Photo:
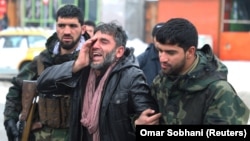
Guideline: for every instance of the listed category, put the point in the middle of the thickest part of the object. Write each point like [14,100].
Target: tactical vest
[53,109]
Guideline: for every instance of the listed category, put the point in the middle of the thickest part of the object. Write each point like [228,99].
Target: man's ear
[120,51]
[191,52]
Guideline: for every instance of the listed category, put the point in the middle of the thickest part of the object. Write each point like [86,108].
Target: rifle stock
[29,97]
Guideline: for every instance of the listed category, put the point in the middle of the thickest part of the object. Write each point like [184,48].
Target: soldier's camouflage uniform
[51,130]
[202,96]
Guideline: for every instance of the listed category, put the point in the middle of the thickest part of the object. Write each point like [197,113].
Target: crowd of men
[91,87]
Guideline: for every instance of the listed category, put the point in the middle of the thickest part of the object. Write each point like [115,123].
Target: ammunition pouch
[54,110]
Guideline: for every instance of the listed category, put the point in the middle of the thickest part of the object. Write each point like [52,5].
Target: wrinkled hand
[148,117]
[11,129]
[83,57]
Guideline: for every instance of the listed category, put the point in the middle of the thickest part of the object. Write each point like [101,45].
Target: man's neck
[64,51]
[192,65]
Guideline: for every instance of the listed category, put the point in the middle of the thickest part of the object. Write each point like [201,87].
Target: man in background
[149,60]
[90,27]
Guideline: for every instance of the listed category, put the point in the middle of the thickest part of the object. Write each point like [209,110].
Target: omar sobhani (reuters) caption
[194,132]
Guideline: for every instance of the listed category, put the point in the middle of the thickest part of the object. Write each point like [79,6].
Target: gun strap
[40,66]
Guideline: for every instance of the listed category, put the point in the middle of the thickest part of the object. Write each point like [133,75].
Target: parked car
[18,47]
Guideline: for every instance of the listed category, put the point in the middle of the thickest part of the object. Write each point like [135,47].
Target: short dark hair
[156,28]
[70,11]
[178,31]
[114,30]
[90,23]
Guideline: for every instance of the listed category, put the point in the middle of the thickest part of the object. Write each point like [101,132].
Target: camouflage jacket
[202,96]
[13,105]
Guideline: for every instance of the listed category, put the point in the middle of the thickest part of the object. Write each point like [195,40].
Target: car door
[12,50]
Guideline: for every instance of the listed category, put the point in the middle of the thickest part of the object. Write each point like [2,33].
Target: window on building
[236,15]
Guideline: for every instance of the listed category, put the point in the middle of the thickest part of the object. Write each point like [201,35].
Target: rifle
[29,98]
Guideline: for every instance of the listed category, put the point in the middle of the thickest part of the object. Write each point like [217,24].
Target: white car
[18,46]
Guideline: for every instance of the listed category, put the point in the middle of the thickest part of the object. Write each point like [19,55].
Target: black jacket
[149,63]
[125,95]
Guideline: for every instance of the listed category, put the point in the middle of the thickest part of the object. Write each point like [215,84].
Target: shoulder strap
[40,66]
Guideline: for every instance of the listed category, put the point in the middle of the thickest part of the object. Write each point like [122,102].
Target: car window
[12,41]
[36,41]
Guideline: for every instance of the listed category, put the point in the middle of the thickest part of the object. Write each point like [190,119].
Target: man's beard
[70,46]
[110,58]
[177,69]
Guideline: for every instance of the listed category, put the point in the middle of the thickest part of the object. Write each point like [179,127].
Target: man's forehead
[67,20]
[99,34]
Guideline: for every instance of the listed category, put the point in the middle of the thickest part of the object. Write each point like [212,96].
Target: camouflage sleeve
[156,87]
[226,106]
[13,103]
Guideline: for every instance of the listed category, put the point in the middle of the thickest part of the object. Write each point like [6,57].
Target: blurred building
[41,13]
[226,21]
[4,21]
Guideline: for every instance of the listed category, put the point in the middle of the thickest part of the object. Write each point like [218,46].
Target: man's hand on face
[83,57]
